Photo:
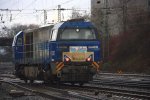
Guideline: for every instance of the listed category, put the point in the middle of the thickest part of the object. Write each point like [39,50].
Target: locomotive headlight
[93,47]
[66,58]
[90,58]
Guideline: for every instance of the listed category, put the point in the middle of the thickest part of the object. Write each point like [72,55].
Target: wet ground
[8,68]
[5,94]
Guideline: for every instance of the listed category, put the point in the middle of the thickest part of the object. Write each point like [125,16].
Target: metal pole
[124,7]
[59,13]
[45,16]
[107,32]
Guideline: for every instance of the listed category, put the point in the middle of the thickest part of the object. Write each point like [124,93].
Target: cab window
[77,34]
[53,35]
[19,41]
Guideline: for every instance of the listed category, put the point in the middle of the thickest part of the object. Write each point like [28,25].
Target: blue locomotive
[66,52]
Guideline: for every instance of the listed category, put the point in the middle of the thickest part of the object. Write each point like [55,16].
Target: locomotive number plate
[81,49]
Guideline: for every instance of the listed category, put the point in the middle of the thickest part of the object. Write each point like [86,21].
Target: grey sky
[28,9]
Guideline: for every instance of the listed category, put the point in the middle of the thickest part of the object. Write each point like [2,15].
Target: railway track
[133,84]
[87,92]
[95,90]
[7,76]
[123,80]
[130,75]
[123,92]
[50,92]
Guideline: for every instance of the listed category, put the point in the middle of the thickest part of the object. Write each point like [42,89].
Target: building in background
[114,17]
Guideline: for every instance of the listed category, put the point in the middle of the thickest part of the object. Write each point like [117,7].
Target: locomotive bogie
[31,72]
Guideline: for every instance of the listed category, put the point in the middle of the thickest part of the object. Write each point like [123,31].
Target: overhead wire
[34,1]
[67,2]
[24,8]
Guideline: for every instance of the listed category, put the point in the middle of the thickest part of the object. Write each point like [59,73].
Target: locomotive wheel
[48,75]
[31,81]
[72,83]
[48,82]
[81,84]
[25,80]
[58,82]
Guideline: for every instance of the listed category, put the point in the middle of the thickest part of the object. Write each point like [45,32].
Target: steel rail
[137,84]
[124,80]
[117,74]
[124,92]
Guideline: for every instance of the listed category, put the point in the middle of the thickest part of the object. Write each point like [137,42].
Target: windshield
[76,34]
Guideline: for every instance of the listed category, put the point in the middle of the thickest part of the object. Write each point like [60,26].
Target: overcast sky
[29,15]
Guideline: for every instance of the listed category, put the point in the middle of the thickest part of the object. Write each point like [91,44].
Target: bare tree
[130,50]
[80,14]
[6,51]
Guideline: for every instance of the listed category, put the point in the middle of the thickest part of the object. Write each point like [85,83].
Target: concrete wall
[119,17]
[114,15]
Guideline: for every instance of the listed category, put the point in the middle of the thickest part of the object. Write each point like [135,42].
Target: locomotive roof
[66,24]
[40,28]
[73,24]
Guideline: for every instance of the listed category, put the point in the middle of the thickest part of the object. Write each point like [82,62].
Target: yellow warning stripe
[93,65]
[96,64]
[60,68]
[57,66]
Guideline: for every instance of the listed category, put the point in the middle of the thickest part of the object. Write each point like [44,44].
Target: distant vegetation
[6,51]
[130,51]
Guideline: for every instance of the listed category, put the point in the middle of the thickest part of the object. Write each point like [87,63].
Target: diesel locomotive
[68,52]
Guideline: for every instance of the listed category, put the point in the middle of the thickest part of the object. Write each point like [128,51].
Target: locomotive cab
[75,51]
